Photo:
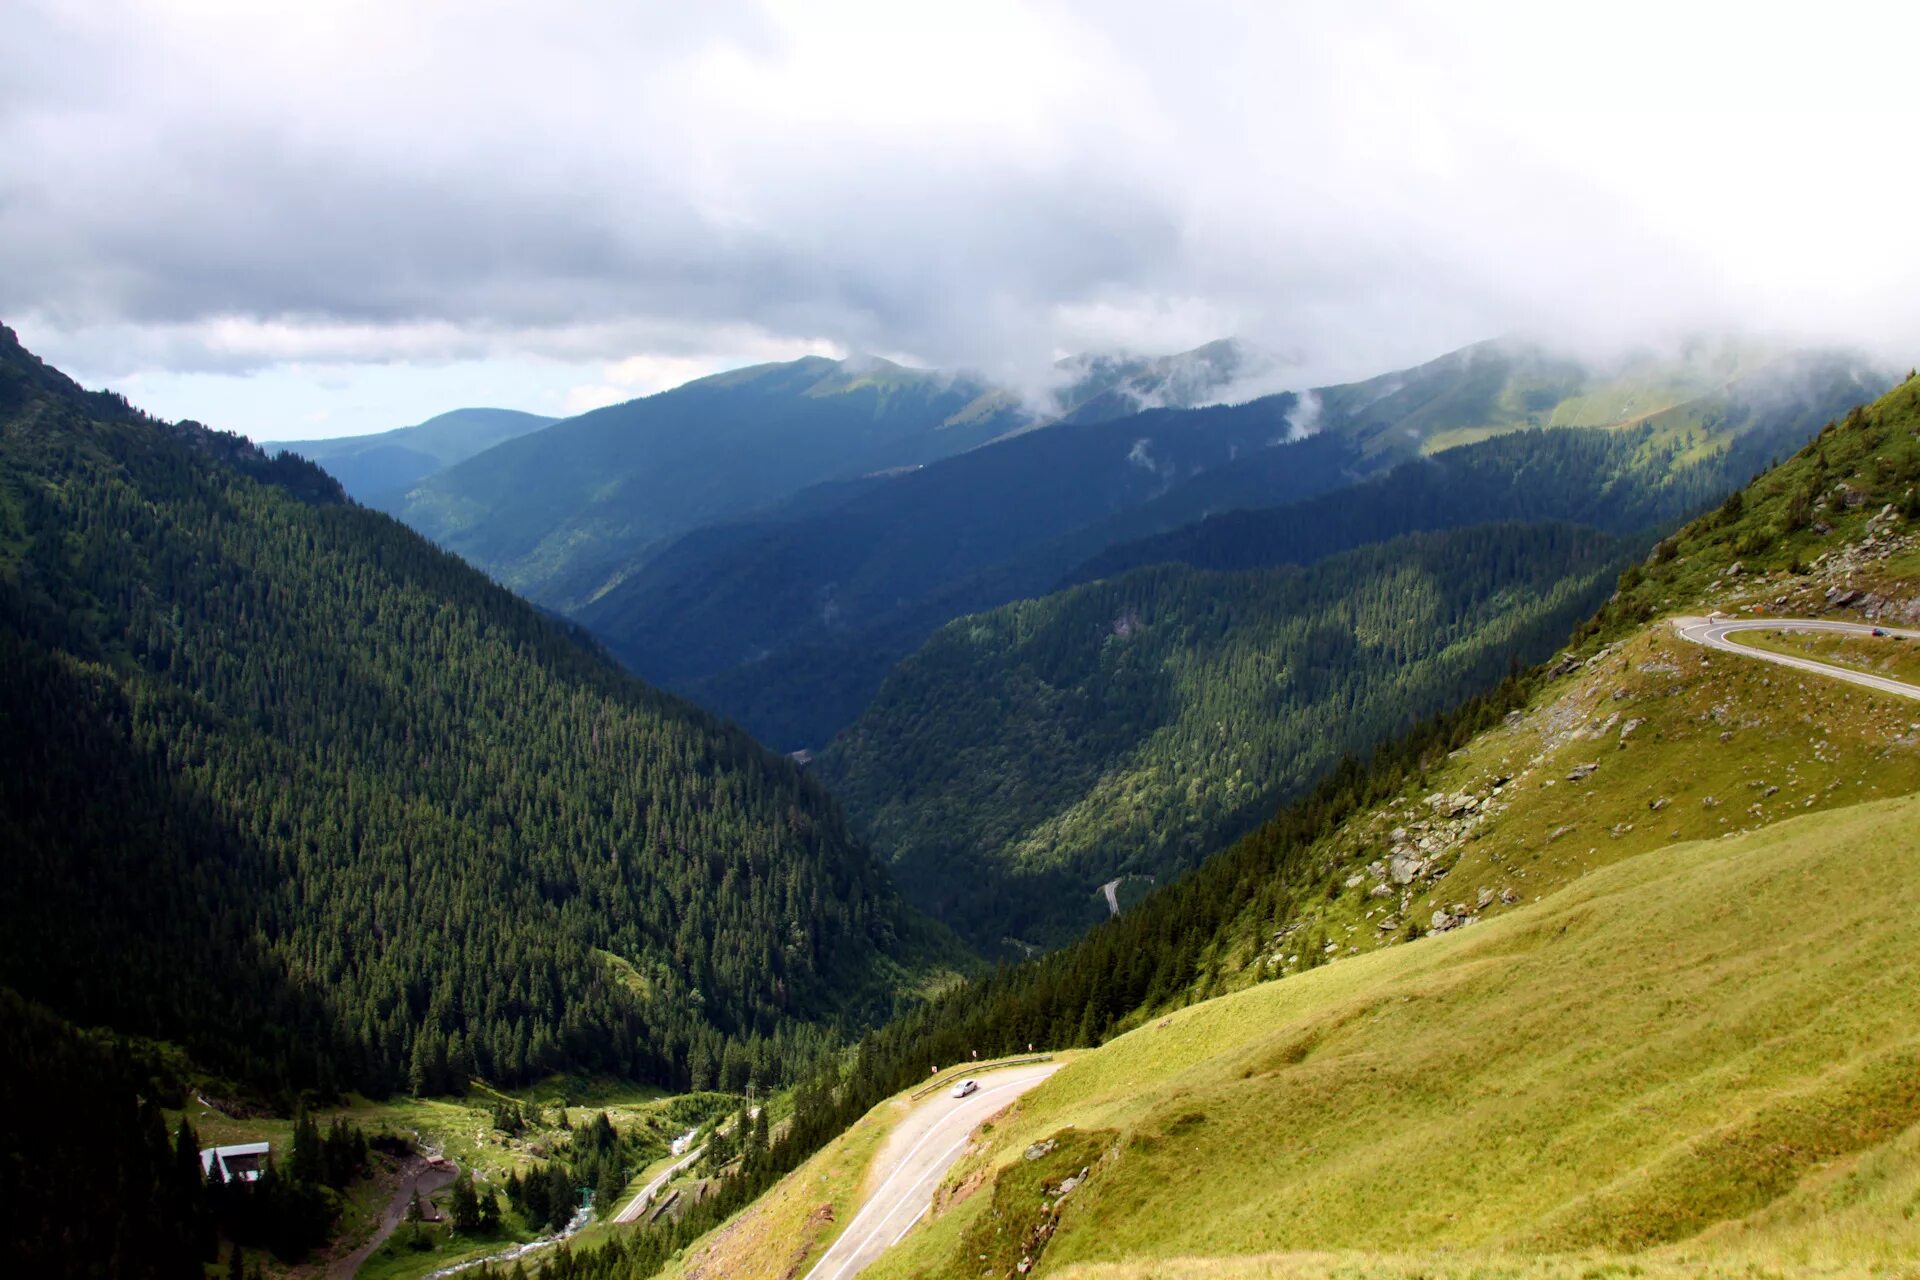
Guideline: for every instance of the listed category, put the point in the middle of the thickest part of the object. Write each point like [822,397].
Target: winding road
[921,1148]
[638,1205]
[1713,633]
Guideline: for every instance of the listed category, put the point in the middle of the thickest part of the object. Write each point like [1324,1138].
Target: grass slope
[1674,1043]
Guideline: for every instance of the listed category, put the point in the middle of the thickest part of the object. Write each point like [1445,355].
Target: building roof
[240,1161]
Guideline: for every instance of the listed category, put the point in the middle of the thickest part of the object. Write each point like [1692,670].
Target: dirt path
[419,1173]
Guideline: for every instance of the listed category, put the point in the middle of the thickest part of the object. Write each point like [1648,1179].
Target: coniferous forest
[1132,726]
[314,800]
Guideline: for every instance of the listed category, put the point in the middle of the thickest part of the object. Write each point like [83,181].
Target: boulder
[1580,772]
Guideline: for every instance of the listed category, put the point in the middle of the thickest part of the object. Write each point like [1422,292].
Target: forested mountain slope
[868,577]
[274,763]
[1662,467]
[1025,756]
[377,468]
[561,514]
[1666,1030]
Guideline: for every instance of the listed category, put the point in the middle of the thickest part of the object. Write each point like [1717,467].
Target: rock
[1382,890]
[1354,882]
[1041,1149]
[1398,835]
[1406,870]
[1484,900]
[1822,528]
[1442,922]
[1509,897]
[1565,666]
[1735,569]
[1626,730]
[1557,832]
[1580,772]
[1841,597]
[1661,803]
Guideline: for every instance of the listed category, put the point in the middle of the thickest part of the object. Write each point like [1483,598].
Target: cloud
[209,186]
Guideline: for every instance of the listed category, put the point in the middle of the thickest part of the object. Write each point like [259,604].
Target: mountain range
[377,468]
[1328,756]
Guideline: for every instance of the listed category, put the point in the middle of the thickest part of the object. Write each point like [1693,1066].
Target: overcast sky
[334,217]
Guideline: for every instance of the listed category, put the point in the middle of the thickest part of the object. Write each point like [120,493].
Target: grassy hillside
[1025,756]
[562,514]
[377,468]
[271,761]
[1713,1037]
[1507,385]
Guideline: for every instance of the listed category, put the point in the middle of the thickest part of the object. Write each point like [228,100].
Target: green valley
[1024,757]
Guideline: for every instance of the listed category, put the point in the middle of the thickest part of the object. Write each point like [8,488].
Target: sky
[312,220]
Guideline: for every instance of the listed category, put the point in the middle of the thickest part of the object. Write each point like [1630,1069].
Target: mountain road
[922,1147]
[1715,633]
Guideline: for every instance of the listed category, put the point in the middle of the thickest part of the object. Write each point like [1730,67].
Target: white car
[966,1087]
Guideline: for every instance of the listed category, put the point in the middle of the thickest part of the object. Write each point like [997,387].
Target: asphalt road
[1714,632]
[919,1151]
[638,1205]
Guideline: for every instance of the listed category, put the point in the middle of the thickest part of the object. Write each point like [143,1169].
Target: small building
[241,1163]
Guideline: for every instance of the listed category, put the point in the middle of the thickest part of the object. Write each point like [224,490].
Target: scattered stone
[1580,772]
[1041,1149]
[1735,569]
[1557,832]
[1509,897]
[1708,802]
[1626,730]
[1354,882]
[1841,597]
[1661,803]
[1406,870]
[1382,890]
[1442,922]
[1484,900]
